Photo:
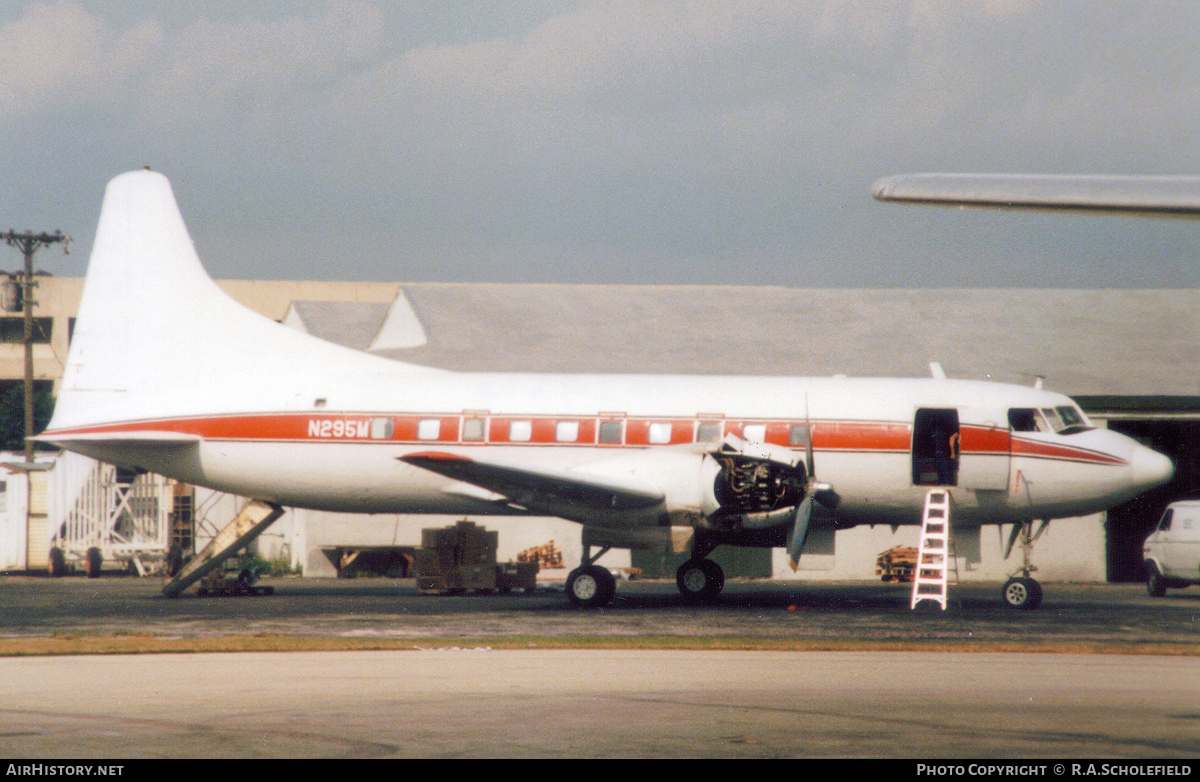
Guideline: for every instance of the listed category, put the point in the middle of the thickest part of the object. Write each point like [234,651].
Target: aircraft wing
[564,494]
[1169,196]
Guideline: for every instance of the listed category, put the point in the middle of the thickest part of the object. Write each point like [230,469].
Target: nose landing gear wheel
[700,580]
[1024,593]
[591,587]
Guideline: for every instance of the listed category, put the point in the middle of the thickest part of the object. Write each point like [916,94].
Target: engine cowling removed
[747,485]
[729,486]
[754,486]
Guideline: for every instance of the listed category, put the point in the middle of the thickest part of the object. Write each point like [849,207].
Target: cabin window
[520,431]
[754,433]
[566,431]
[381,428]
[473,429]
[798,435]
[610,431]
[708,431]
[429,428]
[660,432]
[1165,524]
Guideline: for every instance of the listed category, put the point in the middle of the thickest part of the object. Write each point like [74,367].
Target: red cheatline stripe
[827,435]
[847,436]
[1052,451]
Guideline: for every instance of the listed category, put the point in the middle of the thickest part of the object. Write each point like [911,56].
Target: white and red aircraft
[168,374]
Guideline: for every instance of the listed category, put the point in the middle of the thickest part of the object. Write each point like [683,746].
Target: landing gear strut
[589,585]
[700,579]
[1022,591]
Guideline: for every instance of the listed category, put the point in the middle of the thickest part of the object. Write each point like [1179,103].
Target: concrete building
[1132,359]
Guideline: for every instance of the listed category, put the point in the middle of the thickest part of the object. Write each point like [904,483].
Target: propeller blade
[799,531]
[808,450]
[800,523]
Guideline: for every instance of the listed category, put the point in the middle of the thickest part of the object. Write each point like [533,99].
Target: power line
[29,243]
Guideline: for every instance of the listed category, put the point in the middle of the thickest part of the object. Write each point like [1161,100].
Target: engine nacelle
[730,485]
[751,485]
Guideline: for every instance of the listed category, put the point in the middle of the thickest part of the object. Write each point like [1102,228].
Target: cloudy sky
[707,142]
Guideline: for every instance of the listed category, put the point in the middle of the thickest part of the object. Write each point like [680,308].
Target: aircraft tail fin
[156,336]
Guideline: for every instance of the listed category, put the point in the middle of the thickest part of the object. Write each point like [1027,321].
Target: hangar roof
[1084,342]
[350,323]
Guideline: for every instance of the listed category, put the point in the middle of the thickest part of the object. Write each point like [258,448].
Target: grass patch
[77,644]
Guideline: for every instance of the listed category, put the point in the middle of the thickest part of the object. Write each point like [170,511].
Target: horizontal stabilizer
[150,438]
[1168,196]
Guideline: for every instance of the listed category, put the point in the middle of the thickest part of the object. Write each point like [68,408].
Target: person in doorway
[945,454]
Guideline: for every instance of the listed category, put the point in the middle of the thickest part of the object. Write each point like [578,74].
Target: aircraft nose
[1149,468]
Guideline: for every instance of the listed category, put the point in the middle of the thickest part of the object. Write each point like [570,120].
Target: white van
[1172,551]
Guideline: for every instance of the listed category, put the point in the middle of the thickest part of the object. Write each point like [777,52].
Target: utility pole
[29,243]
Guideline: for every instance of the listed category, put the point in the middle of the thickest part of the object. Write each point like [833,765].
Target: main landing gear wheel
[591,586]
[1024,593]
[700,580]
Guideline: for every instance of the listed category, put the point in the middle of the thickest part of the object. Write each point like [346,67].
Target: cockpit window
[1023,419]
[1165,524]
[1067,419]
[1072,417]
[1029,419]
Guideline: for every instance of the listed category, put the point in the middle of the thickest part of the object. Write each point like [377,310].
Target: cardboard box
[462,557]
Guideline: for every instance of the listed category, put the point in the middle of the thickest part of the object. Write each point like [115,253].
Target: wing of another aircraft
[562,494]
[1168,196]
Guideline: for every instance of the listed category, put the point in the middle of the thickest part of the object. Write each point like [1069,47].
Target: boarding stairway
[934,556]
[98,513]
[251,522]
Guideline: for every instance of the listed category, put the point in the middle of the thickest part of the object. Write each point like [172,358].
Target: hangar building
[1130,357]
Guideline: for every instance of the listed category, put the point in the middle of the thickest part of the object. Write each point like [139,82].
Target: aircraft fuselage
[863,433]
